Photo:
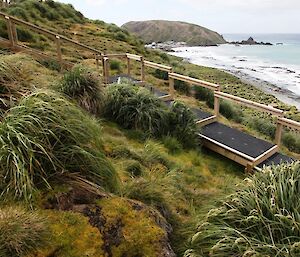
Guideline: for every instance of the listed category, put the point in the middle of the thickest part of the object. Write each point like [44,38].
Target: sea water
[278,64]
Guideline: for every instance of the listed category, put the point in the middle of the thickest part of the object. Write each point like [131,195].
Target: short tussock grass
[83,85]
[47,138]
[262,219]
[21,231]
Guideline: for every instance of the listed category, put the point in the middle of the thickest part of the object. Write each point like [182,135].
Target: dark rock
[250,41]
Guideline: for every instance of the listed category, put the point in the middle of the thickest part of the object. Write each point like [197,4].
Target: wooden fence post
[15,33]
[10,31]
[128,66]
[171,85]
[142,70]
[278,134]
[217,104]
[59,54]
[105,69]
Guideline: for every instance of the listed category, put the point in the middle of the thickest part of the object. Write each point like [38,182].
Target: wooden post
[249,167]
[142,70]
[10,31]
[103,69]
[171,86]
[59,54]
[216,106]
[107,70]
[278,134]
[128,66]
[15,33]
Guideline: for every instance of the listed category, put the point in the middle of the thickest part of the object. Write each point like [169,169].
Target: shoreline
[284,95]
[258,67]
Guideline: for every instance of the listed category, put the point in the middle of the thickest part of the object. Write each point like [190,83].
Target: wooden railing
[14,44]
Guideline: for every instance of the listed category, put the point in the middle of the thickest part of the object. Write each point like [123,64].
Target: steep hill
[162,31]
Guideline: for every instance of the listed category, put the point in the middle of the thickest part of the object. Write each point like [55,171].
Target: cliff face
[162,31]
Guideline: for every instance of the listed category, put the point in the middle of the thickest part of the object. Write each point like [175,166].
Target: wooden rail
[289,123]
[281,121]
[134,57]
[248,103]
[13,43]
[158,66]
[193,81]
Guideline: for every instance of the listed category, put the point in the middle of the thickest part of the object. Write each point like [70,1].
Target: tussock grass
[155,187]
[82,85]
[46,138]
[262,219]
[135,108]
[21,231]
[182,124]
[172,144]
[11,89]
[19,75]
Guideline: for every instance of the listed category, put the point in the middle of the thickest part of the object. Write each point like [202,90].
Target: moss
[71,236]
[140,235]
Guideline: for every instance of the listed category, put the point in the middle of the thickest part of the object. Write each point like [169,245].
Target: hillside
[87,170]
[162,31]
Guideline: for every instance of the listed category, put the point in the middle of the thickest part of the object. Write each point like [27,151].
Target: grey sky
[224,16]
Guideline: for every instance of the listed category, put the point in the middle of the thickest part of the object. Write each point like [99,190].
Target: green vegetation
[172,144]
[83,85]
[63,240]
[135,108]
[182,124]
[42,140]
[260,220]
[115,65]
[50,10]
[162,31]
[134,182]
[21,231]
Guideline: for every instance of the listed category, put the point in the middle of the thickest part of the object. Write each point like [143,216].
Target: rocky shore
[284,95]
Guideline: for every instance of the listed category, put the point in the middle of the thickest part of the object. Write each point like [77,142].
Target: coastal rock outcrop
[250,41]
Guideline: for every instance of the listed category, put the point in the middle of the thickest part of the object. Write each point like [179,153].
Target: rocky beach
[273,68]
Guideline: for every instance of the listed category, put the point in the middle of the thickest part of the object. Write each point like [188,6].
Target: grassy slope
[203,177]
[162,31]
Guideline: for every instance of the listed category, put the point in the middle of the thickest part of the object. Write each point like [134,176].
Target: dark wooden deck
[235,139]
[276,159]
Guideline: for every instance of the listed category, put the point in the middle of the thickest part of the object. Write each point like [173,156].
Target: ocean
[278,65]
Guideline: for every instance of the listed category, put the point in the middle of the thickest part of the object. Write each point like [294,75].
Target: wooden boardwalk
[224,140]
[232,143]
